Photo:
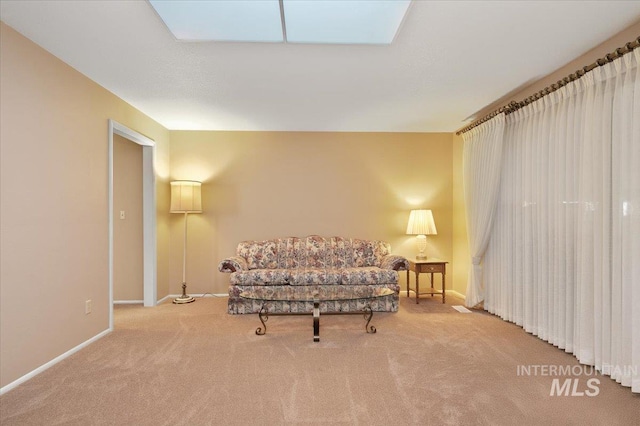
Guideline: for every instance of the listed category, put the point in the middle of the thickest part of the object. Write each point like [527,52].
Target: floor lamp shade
[421,223]
[186,197]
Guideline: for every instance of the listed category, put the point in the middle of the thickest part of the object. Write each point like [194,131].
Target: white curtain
[482,156]
[563,259]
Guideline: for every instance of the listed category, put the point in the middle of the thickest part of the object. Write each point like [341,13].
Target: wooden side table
[429,266]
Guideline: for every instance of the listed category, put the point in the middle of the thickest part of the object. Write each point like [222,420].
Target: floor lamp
[185,198]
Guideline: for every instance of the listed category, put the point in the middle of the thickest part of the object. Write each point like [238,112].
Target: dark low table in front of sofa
[313,295]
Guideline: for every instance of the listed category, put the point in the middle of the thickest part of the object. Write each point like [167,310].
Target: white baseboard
[196,295]
[53,362]
[212,295]
[455,293]
[169,296]
[163,299]
[449,292]
[128,302]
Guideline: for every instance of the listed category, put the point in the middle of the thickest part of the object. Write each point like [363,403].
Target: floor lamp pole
[185,298]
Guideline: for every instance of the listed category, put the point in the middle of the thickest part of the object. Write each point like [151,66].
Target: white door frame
[150,289]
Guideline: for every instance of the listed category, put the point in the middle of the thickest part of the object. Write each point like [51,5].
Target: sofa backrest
[313,251]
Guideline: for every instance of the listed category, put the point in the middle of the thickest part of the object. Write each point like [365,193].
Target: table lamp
[421,224]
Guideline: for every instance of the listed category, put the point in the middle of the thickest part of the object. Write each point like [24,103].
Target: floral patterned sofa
[291,263]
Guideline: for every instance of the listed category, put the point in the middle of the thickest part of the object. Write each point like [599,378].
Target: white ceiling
[449,60]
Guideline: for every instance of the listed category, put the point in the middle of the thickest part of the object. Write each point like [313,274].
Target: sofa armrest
[395,262]
[233,264]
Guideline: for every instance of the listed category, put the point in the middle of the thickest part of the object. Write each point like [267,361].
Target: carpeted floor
[427,365]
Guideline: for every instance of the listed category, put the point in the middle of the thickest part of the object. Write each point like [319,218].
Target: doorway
[127,222]
[148,214]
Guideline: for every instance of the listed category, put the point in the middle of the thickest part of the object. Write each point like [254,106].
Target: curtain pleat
[482,156]
[563,254]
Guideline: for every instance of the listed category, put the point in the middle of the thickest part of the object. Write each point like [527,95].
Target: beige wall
[53,204]
[599,51]
[260,185]
[127,232]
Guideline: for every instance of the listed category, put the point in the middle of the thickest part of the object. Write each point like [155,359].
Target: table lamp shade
[421,223]
[186,196]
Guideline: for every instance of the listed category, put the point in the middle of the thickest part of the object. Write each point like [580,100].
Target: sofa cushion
[368,253]
[259,254]
[342,252]
[261,277]
[368,275]
[315,276]
[309,276]
[287,258]
[312,251]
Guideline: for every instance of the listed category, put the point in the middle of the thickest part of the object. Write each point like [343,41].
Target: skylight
[277,21]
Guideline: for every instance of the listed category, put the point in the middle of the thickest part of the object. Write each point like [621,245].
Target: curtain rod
[513,106]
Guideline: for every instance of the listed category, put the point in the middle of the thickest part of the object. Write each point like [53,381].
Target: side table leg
[432,284]
[443,288]
[417,287]
[408,270]
[316,321]
[264,317]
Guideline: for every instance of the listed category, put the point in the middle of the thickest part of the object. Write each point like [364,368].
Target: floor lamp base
[185,298]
